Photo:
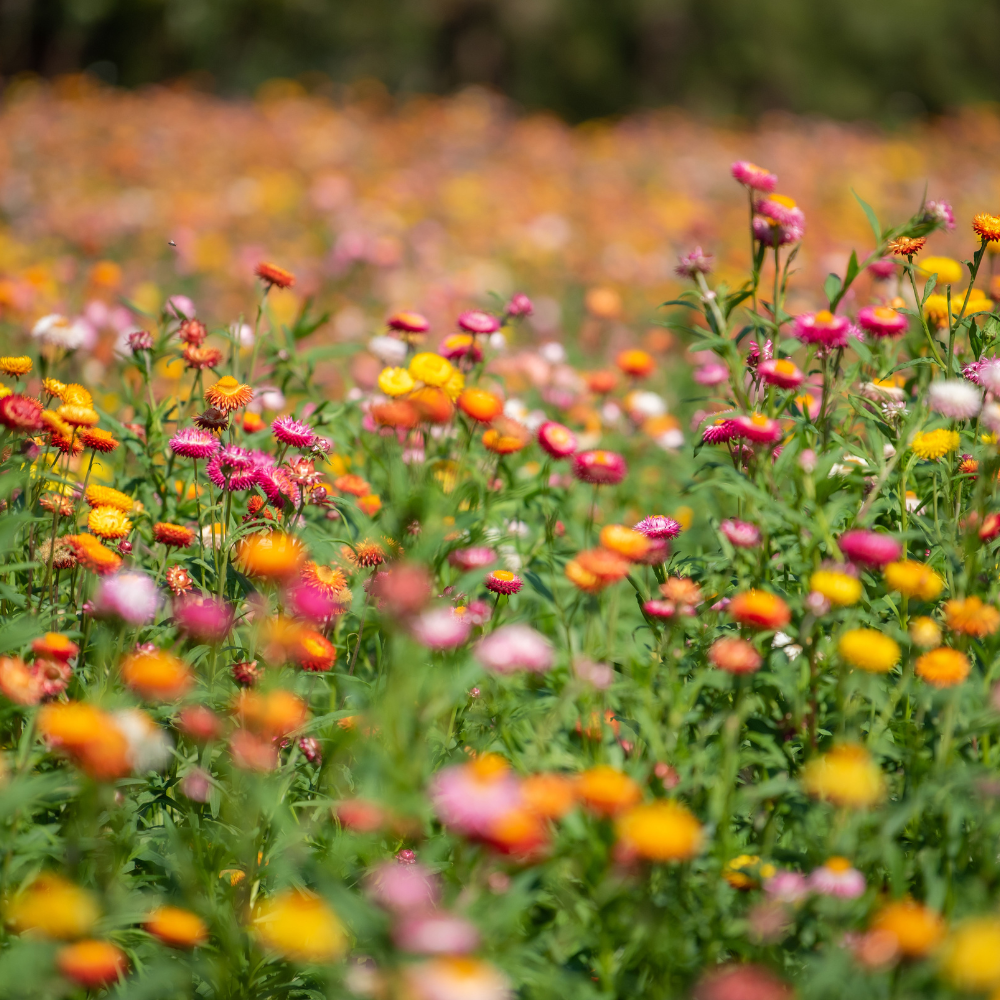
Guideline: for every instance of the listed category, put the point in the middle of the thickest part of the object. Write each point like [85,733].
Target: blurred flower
[970,955]
[760,609]
[839,587]
[52,906]
[754,177]
[918,930]
[943,667]
[299,926]
[403,888]
[742,982]
[869,547]
[608,791]
[129,595]
[441,628]
[176,927]
[846,776]
[913,579]
[823,328]
[837,878]
[742,534]
[92,964]
[157,675]
[435,934]
[935,444]
[695,262]
[970,616]
[456,978]
[735,656]
[869,650]
[954,398]
[515,647]
[469,797]
[925,632]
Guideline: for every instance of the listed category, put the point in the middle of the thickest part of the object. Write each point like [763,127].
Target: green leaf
[536,584]
[832,287]
[871,216]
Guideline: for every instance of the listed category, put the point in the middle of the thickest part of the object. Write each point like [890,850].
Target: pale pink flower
[597,675]
[436,934]
[787,886]
[711,374]
[955,398]
[440,628]
[940,212]
[456,979]
[837,878]
[515,647]
[476,557]
[695,262]
[128,595]
[470,798]
[403,888]
[742,534]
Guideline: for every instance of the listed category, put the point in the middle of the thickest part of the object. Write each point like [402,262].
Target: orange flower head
[92,555]
[18,683]
[97,439]
[549,794]
[681,590]
[370,505]
[156,675]
[760,609]
[625,542]
[480,405]
[89,736]
[272,556]
[971,616]
[328,580]
[582,578]
[431,404]
[398,413]
[108,522]
[274,714]
[637,363]
[105,496]
[271,274]
[196,356]
[506,436]
[368,554]
[175,535]
[918,930]
[353,485]
[227,394]
[176,927]
[987,226]
[15,366]
[906,246]
[519,832]
[608,791]
[53,907]
[78,416]
[313,651]
[734,655]
[252,422]
[92,964]
[943,667]
[56,646]
[601,382]
[661,831]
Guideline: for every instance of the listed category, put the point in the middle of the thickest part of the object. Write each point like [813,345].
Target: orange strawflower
[625,542]
[53,907]
[398,413]
[227,394]
[906,246]
[201,357]
[313,651]
[913,579]
[92,555]
[368,554]
[88,735]
[595,569]
[971,616]
[917,929]
[636,363]
[97,439]
[370,504]
[432,404]
[173,534]
[608,791]
[549,794]
[760,609]
[56,646]
[56,502]
[275,714]
[661,831]
[480,405]
[76,395]
[176,927]
[92,964]
[329,580]
[943,667]
[271,556]
[506,436]
[353,485]
[157,675]
[78,416]
[271,274]
[987,226]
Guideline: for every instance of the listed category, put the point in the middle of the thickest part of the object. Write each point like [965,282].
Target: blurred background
[888,61]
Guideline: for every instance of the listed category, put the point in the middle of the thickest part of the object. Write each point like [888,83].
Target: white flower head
[388,350]
[955,398]
[57,331]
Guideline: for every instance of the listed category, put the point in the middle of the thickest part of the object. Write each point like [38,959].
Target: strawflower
[846,776]
[742,534]
[970,616]
[735,656]
[601,468]
[954,398]
[661,831]
[913,579]
[869,650]
[840,588]
[918,930]
[299,926]
[943,667]
[760,609]
[837,878]
[515,647]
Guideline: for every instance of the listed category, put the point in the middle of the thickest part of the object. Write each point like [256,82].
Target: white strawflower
[954,398]
[991,417]
[642,403]
[553,352]
[388,350]
[57,331]
[988,375]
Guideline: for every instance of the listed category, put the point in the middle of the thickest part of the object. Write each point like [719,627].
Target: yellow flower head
[76,395]
[948,271]
[53,906]
[936,309]
[431,369]
[943,667]
[54,387]
[868,649]
[299,926]
[987,226]
[395,381]
[78,416]
[176,927]
[108,522]
[913,579]
[105,496]
[838,588]
[925,632]
[454,386]
[661,831]
[15,366]
[935,444]
[971,954]
[846,776]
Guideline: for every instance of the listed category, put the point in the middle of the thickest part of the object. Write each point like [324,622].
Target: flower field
[449,556]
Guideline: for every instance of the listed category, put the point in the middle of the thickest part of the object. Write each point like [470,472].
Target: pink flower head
[436,934]
[403,888]
[310,749]
[787,886]
[657,553]
[204,619]
[780,211]
[869,547]
[557,440]
[658,608]
[955,398]
[475,321]
[882,269]
[311,602]
[597,675]
[720,431]
[742,982]
[742,534]
[602,468]
[408,322]
[882,321]
[515,647]
[275,485]
[695,262]
[837,878]
[296,433]
[940,212]
[440,628]
[475,612]
[190,442]
[985,373]
[754,177]
[757,428]
[232,469]
[781,372]
[502,581]
[658,526]
[470,798]
[822,328]
[714,373]
[51,676]
[519,305]
[475,557]
[128,595]
[757,354]
[460,345]
[140,340]
[767,232]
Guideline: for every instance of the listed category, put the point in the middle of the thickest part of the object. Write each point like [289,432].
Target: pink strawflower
[408,322]
[470,798]
[882,269]
[190,442]
[658,526]
[742,534]
[787,886]
[310,749]
[275,485]
[51,676]
[502,581]
[519,305]
[204,619]
[657,553]
[140,340]
[940,212]
[232,469]
[310,602]
[769,234]
[557,440]
[128,595]
[597,675]
[987,374]
[869,547]
[515,647]
[822,328]
[436,934]
[882,321]
[476,612]
[714,373]
[719,432]
[781,372]
[296,433]
[440,628]
[658,608]
[602,468]
[837,878]
[695,262]
[955,398]
[754,177]
[459,346]
[757,428]
[757,354]
[475,557]
[403,888]
[476,321]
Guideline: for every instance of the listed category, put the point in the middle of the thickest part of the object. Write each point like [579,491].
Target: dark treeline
[581,58]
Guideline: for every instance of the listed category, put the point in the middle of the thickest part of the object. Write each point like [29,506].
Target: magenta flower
[502,581]
[869,547]
[557,440]
[232,469]
[787,886]
[658,527]
[882,321]
[719,432]
[436,934]
[882,269]
[204,619]
[822,328]
[470,798]
[476,321]
[519,305]
[475,557]
[296,433]
[837,878]
[658,608]
[515,647]
[766,232]
[781,372]
[754,177]
[695,262]
[602,468]
[757,428]
[190,442]
[742,534]
[440,628]
[403,888]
